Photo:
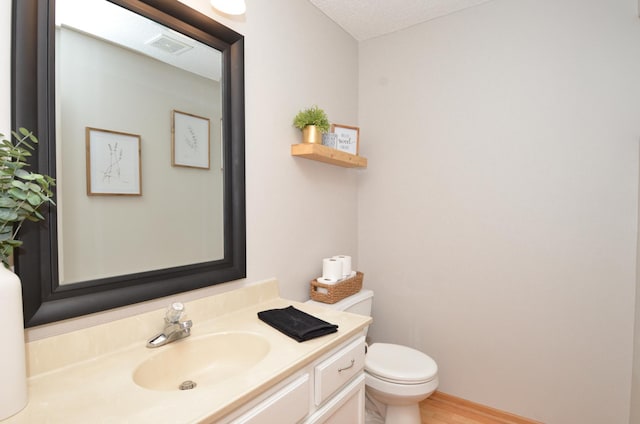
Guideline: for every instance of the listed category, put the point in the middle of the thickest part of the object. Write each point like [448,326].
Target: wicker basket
[332,293]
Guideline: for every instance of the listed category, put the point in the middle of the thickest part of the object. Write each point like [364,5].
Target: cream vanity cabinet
[328,390]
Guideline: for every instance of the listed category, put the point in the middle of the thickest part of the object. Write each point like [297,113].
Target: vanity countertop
[86,376]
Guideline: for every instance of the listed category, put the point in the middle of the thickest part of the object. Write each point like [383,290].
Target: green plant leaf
[17,193]
[34,187]
[26,207]
[7,202]
[10,166]
[26,175]
[8,215]
[20,185]
[34,198]
[24,143]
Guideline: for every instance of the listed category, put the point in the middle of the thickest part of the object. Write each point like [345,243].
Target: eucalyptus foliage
[22,192]
[312,116]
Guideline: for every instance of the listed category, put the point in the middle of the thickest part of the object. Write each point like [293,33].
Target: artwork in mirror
[191,140]
[113,168]
[128,65]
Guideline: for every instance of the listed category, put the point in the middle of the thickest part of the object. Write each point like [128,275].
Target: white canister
[13,384]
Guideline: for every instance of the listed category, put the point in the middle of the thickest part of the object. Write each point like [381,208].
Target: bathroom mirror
[140,117]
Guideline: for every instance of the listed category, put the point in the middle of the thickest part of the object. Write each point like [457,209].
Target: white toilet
[397,377]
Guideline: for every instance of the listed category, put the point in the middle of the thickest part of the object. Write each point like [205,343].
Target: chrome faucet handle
[174,312]
[174,329]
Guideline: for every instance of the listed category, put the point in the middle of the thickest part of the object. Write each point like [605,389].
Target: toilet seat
[399,364]
[396,393]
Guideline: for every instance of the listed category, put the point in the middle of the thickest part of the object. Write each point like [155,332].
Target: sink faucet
[174,329]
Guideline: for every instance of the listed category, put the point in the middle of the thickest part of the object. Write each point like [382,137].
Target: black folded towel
[297,324]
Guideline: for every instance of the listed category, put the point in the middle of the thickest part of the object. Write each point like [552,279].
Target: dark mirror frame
[32,100]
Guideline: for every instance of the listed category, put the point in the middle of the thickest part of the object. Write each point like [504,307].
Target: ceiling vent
[168,44]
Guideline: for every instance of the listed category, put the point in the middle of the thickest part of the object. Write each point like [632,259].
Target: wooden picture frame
[348,138]
[190,140]
[114,164]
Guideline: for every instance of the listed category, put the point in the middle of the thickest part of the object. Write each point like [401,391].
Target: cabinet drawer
[336,371]
[288,405]
[347,406]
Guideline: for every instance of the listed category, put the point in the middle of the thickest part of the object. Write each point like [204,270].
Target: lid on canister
[399,364]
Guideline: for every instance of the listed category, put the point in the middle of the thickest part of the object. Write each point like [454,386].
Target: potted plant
[313,122]
[22,193]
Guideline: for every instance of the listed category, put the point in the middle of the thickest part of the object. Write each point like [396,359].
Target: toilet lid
[396,363]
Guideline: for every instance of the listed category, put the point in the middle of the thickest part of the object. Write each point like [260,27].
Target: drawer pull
[353,361]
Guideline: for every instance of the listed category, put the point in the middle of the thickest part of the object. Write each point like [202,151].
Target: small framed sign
[348,138]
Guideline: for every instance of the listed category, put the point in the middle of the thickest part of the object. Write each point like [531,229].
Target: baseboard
[444,400]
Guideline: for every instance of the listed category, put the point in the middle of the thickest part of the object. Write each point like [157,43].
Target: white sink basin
[204,360]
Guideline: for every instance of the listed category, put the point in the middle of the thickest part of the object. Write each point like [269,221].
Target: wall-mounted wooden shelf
[328,155]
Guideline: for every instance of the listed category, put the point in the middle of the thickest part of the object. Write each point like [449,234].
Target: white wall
[635,375]
[298,211]
[500,203]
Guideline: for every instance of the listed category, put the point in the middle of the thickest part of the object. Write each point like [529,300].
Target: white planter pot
[13,370]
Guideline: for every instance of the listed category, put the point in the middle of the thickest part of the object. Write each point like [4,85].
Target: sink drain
[187,385]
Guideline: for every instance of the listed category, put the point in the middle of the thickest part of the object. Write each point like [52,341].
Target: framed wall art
[113,163]
[348,138]
[190,140]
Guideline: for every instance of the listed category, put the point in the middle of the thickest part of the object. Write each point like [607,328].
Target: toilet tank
[359,303]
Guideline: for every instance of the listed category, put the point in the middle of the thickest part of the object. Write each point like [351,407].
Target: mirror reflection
[121,77]
[148,154]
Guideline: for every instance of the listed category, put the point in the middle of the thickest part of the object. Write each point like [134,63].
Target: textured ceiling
[365,19]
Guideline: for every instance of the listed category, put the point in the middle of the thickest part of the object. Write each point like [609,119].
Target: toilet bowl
[397,378]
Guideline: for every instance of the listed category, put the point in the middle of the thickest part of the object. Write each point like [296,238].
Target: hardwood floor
[441,408]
